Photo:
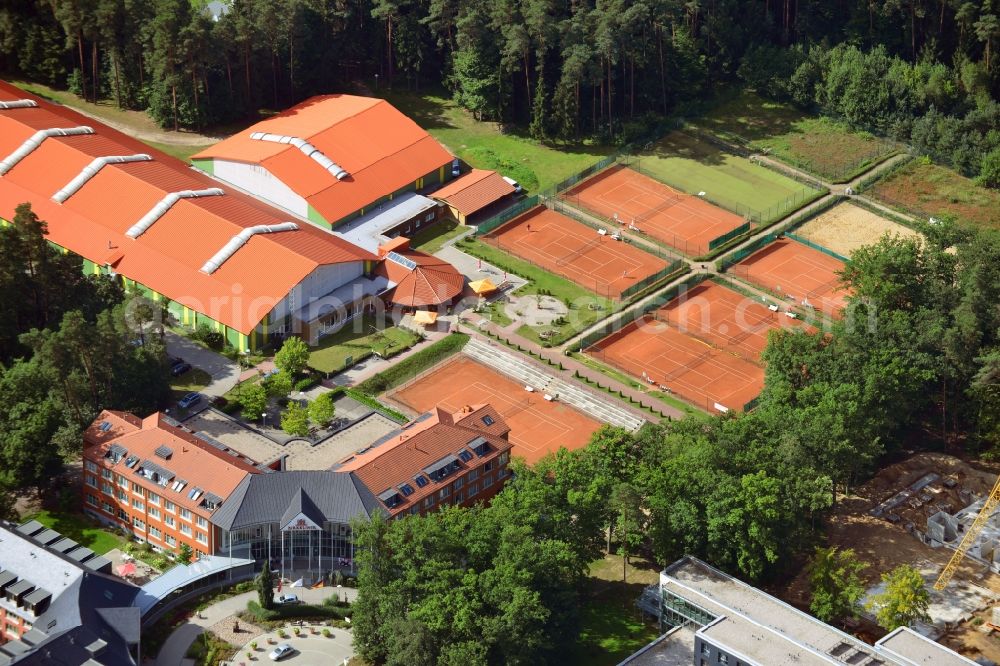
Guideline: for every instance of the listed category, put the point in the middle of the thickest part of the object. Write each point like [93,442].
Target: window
[723,658]
[91,480]
[202,538]
[91,500]
[445,492]
[123,482]
[107,488]
[459,482]
[429,501]
[201,522]
[421,480]
[90,466]
[430,216]
[504,457]
[107,474]
[169,521]
[488,466]
[459,498]
[464,455]
[502,472]
[472,475]
[153,512]
[414,510]
[137,504]
[170,540]
[138,523]
[137,489]
[487,482]
[488,420]
[122,497]
[473,489]
[406,489]
[185,529]
[107,508]
[169,506]
[706,651]
[153,532]
[185,514]
[153,498]
[122,515]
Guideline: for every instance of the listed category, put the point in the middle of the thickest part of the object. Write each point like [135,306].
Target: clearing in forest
[822,146]
[928,190]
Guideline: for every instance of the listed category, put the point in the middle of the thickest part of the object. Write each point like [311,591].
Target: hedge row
[414,365]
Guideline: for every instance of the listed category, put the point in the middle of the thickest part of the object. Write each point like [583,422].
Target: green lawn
[690,164]
[181,152]
[611,626]
[79,528]
[358,341]
[534,165]
[925,190]
[825,147]
[585,307]
[432,239]
[194,379]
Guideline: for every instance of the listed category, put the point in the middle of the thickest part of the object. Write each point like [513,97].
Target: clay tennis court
[725,319]
[694,370]
[575,251]
[537,427]
[798,272]
[683,221]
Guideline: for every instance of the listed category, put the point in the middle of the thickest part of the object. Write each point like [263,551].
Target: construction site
[916,512]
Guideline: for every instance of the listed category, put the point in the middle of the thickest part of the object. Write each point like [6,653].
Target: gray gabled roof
[301,504]
[265,498]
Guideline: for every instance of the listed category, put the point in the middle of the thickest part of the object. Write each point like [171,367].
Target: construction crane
[970,537]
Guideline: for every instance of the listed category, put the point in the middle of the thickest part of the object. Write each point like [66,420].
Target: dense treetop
[920,70]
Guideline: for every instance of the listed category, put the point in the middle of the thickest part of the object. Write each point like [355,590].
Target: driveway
[224,372]
[175,648]
[310,649]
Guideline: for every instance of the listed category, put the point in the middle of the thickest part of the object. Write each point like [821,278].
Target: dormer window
[479,446]
[391,498]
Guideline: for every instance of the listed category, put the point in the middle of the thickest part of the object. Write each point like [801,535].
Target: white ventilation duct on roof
[165,204]
[91,170]
[19,104]
[307,149]
[239,240]
[35,140]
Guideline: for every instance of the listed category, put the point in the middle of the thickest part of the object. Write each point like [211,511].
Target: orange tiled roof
[168,257]
[191,459]
[431,282]
[380,148]
[474,191]
[421,444]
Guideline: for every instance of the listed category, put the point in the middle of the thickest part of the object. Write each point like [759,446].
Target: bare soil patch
[847,227]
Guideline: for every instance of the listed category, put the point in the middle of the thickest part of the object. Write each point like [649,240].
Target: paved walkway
[311,647]
[570,366]
[224,372]
[173,650]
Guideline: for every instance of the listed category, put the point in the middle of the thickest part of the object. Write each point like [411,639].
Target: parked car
[456,168]
[192,398]
[180,369]
[280,652]
[289,600]
[513,183]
